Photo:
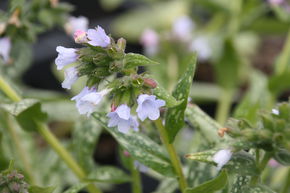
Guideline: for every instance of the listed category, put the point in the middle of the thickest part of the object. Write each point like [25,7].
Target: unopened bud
[150,82]
[126,153]
[121,44]
[222,131]
[14,19]
[80,37]
[53,3]
[2,27]
[113,108]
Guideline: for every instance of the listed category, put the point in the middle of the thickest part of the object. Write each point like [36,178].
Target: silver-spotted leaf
[175,116]
[134,60]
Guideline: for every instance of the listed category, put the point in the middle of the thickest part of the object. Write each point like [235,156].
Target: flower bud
[150,83]
[121,44]
[80,37]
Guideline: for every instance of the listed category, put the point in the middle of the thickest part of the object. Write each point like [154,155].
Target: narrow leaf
[175,116]
[133,60]
[37,189]
[76,188]
[211,186]
[161,93]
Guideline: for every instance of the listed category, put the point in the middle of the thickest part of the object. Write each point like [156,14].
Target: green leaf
[227,68]
[26,112]
[76,188]
[211,186]
[282,156]
[168,185]
[132,60]
[204,156]
[257,189]
[37,189]
[203,122]
[256,99]
[161,93]
[108,174]
[279,83]
[141,148]
[85,137]
[174,120]
[239,183]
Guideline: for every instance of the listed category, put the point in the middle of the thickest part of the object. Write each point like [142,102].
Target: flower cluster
[100,58]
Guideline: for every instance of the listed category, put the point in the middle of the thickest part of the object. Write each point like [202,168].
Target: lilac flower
[88,99]
[275,112]
[76,23]
[140,167]
[65,56]
[70,75]
[276,2]
[150,40]
[5,47]
[98,37]
[148,106]
[182,28]
[202,47]
[222,157]
[122,118]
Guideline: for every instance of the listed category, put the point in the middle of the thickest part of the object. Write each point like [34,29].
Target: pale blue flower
[148,106]
[150,40]
[140,167]
[122,118]
[70,76]
[5,47]
[202,46]
[275,111]
[88,99]
[222,157]
[182,28]
[98,37]
[65,56]
[76,23]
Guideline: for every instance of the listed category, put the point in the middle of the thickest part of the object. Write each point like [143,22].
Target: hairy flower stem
[22,153]
[261,167]
[286,187]
[173,155]
[136,178]
[224,105]
[51,139]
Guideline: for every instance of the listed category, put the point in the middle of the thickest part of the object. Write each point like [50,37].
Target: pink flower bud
[150,82]
[80,37]
[126,153]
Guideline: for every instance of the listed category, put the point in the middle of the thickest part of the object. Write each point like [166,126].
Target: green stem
[287,183]
[173,155]
[284,58]
[20,150]
[224,105]
[51,140]
[136,179]
[261,167]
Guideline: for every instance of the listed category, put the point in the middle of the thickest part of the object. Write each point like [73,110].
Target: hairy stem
[224,105]
[173,155]
[136,179]
[51,139]
[287,183]
[284,57]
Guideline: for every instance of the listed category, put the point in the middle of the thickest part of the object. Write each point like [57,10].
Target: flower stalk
[173,155]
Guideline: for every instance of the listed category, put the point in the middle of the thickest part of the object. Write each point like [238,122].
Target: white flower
[148,106]
[76,23]
[65,56]
[140,167]
[275,112]
[88,99]
[98,37]
[182,28]
[122,118]
[5,47]
[222,157]
[70,76]
[150,40]
[202,47]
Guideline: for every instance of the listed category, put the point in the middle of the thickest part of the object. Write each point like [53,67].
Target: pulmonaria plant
[101,58]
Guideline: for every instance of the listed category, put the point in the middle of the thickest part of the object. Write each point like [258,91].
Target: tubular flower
[122,118]
[71,75]
[148,106]
[88,99]
[98,37]
[65,56]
